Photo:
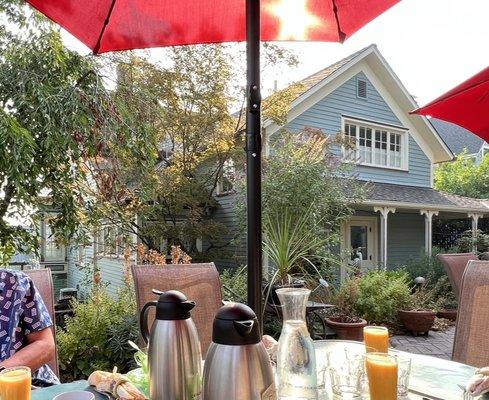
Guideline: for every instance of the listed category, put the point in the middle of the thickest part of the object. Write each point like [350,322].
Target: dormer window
[361,88]
[376,145]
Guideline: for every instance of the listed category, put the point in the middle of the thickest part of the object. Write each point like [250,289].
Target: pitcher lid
[172,305]
[236,324]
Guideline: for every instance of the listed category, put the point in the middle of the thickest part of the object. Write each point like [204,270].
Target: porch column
[475,226]
[384,213]
[428,230]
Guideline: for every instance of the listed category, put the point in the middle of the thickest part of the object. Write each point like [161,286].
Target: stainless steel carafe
[174,355]
[237,366]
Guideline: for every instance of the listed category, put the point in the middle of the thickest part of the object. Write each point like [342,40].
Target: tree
[142,151]
[307,193]
[464,177]
[185,108]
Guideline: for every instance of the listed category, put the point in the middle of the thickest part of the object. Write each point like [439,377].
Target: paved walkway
[436,344]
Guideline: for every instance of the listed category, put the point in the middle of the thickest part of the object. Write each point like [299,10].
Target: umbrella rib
[106,22]
[341,34]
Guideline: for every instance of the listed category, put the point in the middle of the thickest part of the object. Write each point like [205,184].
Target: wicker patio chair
[43,281]
[471,344]
[199,282]
[455,265]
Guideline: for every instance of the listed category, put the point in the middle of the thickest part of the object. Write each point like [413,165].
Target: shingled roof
[424,196]
[319,76]
[456,137]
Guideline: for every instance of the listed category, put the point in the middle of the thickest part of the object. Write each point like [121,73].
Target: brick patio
[436,344]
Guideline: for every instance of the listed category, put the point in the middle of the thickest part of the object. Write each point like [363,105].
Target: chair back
[43,281]
[199,282]
[471,345]
[455,265]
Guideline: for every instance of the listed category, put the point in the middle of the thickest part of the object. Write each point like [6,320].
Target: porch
[395,223]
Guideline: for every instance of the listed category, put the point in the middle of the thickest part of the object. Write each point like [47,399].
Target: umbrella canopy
[466,105]
[110,25]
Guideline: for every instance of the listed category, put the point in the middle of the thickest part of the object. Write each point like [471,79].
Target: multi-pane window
[374,145]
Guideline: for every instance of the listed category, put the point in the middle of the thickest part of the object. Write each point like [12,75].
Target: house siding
[405,238]
[226,214]
[327,113]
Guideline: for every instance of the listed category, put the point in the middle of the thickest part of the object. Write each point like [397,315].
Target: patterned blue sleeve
[36,315]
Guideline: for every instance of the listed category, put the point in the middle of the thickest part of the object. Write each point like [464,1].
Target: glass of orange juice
[15,383]
[376,337]
[382,376]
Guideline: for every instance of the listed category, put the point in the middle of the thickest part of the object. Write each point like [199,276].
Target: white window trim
[390,129]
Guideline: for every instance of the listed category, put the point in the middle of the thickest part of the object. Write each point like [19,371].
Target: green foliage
[425,266]
[464,177]
[290,243]
[467,242]
[381,294]
[423,299]
[234,284]
[96,337]
[306,186]
[437,282]
[345,300]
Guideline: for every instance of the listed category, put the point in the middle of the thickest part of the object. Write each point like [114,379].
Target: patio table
[438,378]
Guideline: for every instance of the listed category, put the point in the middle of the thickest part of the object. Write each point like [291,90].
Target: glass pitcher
[296,358]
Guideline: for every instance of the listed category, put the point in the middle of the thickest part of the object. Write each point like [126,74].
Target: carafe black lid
[172,305]
[236,324]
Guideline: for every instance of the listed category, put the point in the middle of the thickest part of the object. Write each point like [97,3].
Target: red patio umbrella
[466,105]
[108,25]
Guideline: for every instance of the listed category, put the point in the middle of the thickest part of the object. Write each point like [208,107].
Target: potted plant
[447,302]
[344,320]
[419,315]
[290,246]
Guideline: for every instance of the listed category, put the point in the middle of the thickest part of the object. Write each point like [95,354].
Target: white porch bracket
[384,213]
[428,229]
[475,226]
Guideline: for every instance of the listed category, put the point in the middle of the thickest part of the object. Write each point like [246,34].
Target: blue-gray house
[359,96]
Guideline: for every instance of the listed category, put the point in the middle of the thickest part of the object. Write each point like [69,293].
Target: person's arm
[38,351]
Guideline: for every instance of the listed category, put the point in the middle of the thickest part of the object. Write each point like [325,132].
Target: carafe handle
[143,320]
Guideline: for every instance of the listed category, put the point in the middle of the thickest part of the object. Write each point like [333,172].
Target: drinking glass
[376,337]
[347,377]
[403,372]
[382,376]
[15,383]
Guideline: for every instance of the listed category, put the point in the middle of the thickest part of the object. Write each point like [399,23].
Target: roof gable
[370,61]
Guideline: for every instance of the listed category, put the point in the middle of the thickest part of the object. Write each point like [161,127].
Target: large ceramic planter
[447,314]
[417,322]
[347,330]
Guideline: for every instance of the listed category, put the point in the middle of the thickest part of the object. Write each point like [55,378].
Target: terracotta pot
[347,330]
[417,322]
[447,314]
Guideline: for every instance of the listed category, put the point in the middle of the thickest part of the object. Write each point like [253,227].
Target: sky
[432,45]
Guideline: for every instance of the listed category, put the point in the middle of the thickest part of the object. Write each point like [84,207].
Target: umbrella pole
[253,158]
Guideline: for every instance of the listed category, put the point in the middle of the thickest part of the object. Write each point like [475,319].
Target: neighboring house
[361,97]
[461,140]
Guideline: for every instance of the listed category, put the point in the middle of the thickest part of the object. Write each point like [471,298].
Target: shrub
[381,294]
[234,284]
[96,336]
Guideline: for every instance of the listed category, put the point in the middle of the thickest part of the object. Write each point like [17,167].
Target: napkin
[479,383]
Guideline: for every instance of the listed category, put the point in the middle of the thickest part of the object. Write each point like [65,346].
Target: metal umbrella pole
[253,158]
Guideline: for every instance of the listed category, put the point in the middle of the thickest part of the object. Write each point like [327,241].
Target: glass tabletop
[435,377]
[432,376]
